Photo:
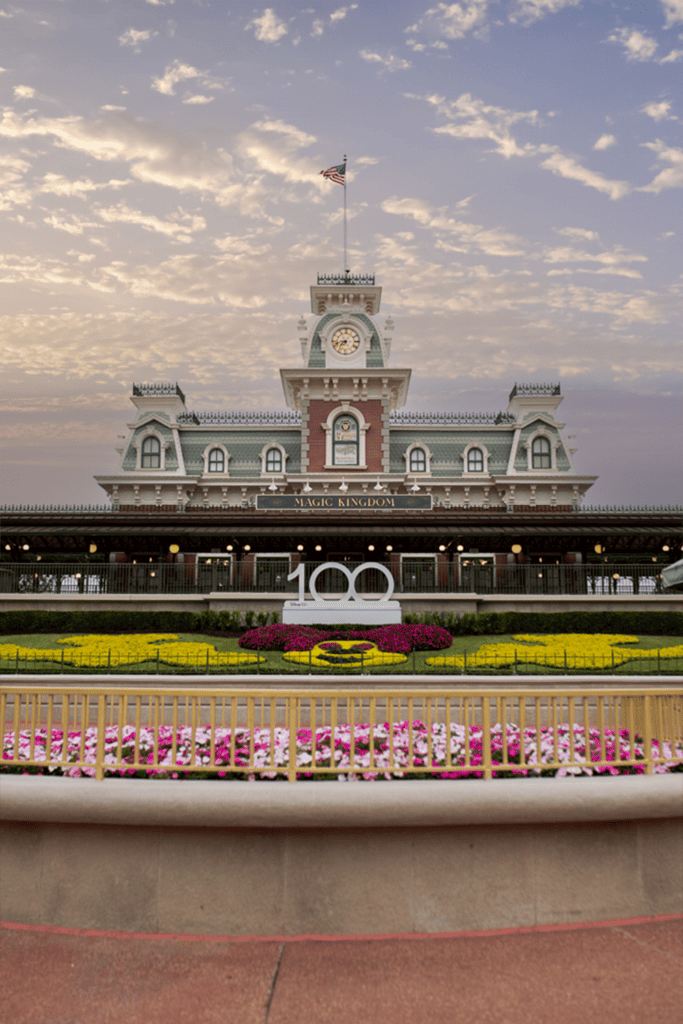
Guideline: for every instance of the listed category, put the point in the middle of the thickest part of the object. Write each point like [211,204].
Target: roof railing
[534,390]
[154,390]
[346,278]
[242,418]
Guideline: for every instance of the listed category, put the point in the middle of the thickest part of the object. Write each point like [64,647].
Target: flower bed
[99,650]
[398,639]
[344,654]
[571,650]
[538,750]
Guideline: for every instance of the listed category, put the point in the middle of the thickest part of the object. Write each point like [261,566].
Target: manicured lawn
[275,663]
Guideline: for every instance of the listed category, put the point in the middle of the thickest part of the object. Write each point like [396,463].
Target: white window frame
[264,452]
[428,459]
[475,474]
[363,427]
[163,447]
[554,445]
[226,460]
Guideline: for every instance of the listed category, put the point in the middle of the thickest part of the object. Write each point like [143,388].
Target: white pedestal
[366,613]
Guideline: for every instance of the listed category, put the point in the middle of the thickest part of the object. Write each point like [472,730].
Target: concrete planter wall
[337,858]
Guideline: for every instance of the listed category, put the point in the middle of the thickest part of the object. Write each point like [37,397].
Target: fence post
[108,661]
[659,661]
[565,661]
[157,661]
[101,725]
[61,671]
[207,661]
[647,730]
[16,667]
[486,735]
[613,670]
[291,768]
[515,665]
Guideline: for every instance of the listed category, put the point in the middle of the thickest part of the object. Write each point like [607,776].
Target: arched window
[418,460]
[345,441]
[151,453]
[540,453]
[216,461]
[273,460]
[475,460]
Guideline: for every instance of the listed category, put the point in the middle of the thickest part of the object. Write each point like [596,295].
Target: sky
[514,181]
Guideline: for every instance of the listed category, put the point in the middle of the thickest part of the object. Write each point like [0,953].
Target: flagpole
[345,268]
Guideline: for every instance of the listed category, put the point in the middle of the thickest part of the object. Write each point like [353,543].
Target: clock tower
[345,391]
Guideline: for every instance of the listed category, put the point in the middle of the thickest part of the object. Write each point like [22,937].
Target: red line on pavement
[619,922]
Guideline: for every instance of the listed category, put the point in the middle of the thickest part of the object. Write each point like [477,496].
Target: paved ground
[628,972]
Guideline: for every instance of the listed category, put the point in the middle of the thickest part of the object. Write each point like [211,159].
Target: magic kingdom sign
[338,503]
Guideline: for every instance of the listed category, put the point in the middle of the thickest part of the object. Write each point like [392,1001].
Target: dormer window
[475,460]
[418,460]
[273,460]
[540,453]
[216,463]
[151,453]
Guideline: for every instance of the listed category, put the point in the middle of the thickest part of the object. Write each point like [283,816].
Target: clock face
[345,341]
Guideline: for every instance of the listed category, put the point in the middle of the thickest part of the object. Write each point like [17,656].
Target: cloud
[591,236]
[454,21]
[671,58]
[658,111]
[317,28]
[637,46]
[61,186]
[272,146]
[609,259]
[174,73]
[174,229]
[83,257]
[605,141]
[670,177]
[240,247]
[474,119]
[567,167]
[75,226]
[110,106]
[268,28]
[199,99]
[389,62]
[12,169]
[24,92]
[133,37]
[341,13]
[471,237]
[674,12]
[155,154]
[528,11]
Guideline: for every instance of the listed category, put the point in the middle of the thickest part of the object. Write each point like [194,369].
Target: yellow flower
[344,654]
[575,650]
[99,650]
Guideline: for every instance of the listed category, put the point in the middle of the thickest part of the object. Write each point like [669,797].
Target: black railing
[268,575]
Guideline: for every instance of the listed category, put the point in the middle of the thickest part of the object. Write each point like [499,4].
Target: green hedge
[654,623]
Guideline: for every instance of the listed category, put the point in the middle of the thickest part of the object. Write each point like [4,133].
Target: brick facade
[319,410]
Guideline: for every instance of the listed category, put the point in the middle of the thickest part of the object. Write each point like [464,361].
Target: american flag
[336,173]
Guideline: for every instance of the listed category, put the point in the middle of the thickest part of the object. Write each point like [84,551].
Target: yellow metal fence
[360,733]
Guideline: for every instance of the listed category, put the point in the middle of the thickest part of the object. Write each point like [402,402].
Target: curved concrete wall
[312,858]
